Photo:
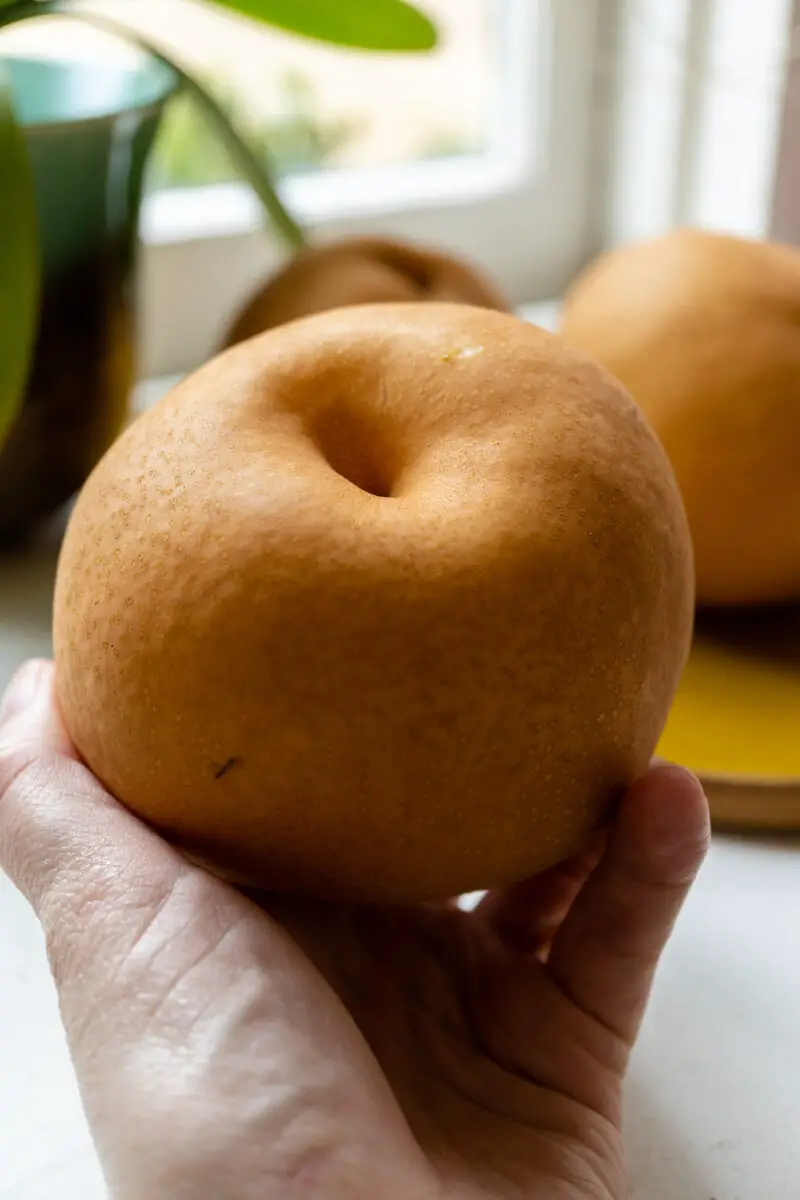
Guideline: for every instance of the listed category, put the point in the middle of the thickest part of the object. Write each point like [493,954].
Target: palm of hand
[409,1053]
[499,1084]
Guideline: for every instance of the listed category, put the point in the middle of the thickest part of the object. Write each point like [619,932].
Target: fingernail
[24,688]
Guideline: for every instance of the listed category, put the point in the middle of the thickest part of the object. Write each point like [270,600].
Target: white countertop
[714,1098]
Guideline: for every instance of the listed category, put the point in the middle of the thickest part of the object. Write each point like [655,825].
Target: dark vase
[89,128]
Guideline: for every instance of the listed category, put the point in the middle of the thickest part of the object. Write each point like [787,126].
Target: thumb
[606,952]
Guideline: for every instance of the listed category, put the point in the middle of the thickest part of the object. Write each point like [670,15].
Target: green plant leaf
[19,261]
[363,24]
[247,162]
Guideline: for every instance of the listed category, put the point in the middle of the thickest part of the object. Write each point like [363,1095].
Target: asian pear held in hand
[386,604]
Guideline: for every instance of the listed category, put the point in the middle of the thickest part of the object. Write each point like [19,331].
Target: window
[541,130]
[482,147]
[319,108]
[698,96]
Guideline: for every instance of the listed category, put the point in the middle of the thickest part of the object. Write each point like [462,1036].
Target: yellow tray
[736,719]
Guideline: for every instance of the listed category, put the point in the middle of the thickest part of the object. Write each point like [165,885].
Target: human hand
[231,1048]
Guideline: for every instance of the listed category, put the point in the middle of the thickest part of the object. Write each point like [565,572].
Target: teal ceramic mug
[89,128]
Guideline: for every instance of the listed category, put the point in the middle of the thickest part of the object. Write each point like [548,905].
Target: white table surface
[713,1108]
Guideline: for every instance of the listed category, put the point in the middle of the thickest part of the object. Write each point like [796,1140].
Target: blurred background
[536,134]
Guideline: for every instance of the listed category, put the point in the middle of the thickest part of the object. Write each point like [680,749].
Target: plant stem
[240,152]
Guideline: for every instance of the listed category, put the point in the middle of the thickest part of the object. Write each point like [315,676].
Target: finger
[169,982]
[93,873]
[23,688]
[606,952]
[125,915]
[50,803]
[525,916]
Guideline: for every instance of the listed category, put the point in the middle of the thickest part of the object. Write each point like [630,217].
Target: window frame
[204,249]
[692,136]
[641,136]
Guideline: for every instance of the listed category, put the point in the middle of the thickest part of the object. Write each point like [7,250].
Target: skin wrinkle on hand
[262,1051]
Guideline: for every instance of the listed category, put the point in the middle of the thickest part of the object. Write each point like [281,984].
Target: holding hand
[245,1046]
